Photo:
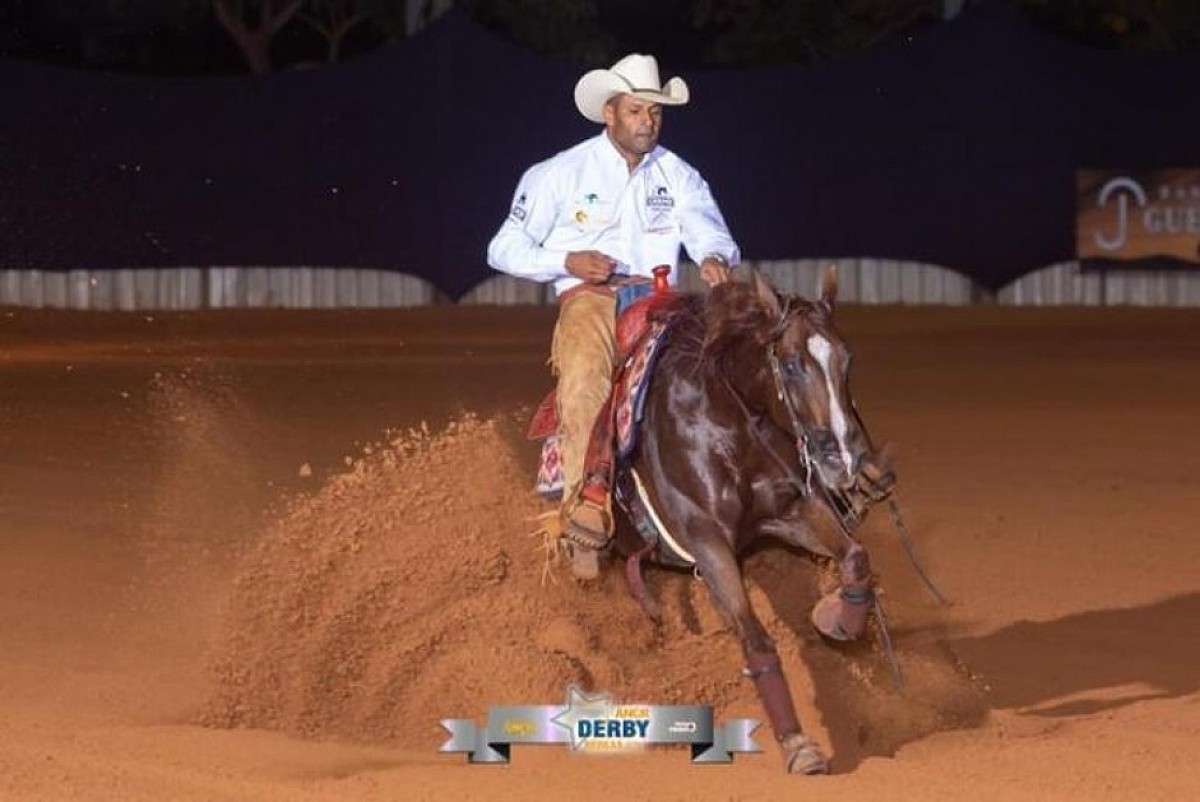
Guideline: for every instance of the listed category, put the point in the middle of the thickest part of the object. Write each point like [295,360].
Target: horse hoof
[803,756]
[835,618]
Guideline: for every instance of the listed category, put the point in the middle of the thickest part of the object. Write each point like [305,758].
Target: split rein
[837,500]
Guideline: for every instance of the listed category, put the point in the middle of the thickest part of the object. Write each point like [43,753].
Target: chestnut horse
[749,430]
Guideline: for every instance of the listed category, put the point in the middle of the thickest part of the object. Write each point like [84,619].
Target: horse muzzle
[872,482]
[825,454]
[875,478]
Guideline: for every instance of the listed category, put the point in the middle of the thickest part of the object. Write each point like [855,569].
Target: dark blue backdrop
[958,148]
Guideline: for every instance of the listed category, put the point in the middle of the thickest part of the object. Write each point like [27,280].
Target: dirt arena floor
[259,555]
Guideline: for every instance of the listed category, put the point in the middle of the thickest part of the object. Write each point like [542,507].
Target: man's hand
[591,266]
[714,271]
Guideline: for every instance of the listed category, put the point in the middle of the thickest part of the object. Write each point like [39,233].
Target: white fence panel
[860,281]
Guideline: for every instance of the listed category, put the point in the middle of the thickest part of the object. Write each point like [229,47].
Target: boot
[587,528]
[587,523]
[585,562]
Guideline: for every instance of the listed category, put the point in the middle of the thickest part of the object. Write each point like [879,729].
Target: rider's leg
[583,355]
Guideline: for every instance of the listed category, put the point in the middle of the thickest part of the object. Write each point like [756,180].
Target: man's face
[632,123]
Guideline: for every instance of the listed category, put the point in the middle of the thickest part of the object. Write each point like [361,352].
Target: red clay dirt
[259,555]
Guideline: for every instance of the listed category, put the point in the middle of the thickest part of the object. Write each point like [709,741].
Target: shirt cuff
[552,261]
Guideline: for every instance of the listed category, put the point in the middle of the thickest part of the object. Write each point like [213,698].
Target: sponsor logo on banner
[594,723]
[1138,218]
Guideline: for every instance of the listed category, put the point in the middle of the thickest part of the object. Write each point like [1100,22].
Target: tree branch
[283,17]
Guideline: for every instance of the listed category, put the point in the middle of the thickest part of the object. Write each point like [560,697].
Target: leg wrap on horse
[801,754]
[842,614]
[767,673]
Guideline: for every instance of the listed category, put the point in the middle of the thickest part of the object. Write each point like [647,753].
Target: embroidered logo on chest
[588,208]
[660,201]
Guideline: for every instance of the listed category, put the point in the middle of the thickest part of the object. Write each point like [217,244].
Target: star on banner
[581,706]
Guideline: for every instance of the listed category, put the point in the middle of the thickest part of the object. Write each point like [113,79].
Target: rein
[837,502]
[805,484]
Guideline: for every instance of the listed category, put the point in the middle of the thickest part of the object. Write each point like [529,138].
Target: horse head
[808,395]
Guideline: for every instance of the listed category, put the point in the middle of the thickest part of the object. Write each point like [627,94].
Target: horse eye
[793,367]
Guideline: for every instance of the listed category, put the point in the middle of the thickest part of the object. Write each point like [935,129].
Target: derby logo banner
[1138,218]
[596,724]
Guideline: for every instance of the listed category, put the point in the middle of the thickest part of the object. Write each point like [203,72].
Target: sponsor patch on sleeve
[518,212]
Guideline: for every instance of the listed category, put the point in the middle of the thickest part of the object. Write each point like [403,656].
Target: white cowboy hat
[636,75]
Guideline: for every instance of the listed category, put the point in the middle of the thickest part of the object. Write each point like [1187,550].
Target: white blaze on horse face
[822,351]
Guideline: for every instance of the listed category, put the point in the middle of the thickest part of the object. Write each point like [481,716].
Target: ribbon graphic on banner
[597,724]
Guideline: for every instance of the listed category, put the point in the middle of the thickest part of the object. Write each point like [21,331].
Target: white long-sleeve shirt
[585,198]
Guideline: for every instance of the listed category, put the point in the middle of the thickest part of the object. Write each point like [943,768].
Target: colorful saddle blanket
[629,394]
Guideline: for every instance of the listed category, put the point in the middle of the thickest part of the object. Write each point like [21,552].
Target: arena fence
[861,281]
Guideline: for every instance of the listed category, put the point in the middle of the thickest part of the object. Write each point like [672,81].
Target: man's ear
[610,109]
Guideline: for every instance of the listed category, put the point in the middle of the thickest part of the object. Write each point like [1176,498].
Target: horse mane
[714,325]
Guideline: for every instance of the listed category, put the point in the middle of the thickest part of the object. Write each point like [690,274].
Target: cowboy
[592,219]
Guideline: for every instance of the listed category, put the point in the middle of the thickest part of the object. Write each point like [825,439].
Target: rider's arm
[702,227]
[517,247]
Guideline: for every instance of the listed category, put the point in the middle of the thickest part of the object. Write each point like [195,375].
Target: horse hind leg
[841,614]
[637,583]
[801,755]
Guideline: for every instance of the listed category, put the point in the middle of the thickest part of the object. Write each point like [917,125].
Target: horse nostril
[833,463]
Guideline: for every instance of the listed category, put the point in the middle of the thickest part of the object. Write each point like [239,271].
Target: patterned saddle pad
[629,395]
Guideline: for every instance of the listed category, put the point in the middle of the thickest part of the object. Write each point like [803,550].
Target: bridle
[837,499]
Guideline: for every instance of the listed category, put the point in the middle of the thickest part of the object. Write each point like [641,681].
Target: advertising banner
[1138,218]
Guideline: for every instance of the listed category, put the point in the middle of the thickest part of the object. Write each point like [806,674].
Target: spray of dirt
[415,587]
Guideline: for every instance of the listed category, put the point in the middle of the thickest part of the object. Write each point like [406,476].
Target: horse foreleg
[842,613]
[724,581]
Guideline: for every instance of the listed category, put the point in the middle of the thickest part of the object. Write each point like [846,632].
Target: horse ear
[766,293]
[829,287]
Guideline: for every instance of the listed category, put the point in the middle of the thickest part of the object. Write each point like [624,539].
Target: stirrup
[587,524]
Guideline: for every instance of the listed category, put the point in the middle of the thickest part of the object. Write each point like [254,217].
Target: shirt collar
[609,153]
